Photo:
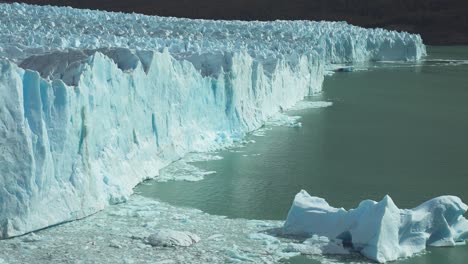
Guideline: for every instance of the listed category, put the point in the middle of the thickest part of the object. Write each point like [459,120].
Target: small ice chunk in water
[172,238]
[301,105]
[31,238]
[281,119]
[115,244]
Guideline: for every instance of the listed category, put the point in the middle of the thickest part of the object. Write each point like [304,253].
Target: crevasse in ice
[92,102]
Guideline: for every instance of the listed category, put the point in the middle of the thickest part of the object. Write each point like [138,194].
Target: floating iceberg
[379,230]
[92,103]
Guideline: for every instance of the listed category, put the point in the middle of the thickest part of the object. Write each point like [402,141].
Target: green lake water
[396,128]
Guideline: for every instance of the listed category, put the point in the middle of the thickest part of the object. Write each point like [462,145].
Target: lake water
[395,128]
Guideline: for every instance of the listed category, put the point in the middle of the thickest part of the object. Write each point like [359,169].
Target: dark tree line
[438,21]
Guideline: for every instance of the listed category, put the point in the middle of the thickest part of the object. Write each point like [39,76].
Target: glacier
[93,103]
[378,230]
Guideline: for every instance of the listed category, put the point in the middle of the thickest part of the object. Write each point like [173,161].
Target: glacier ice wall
[82,147]
[92,103]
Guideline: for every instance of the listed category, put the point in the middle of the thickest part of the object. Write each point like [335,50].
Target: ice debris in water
[301,105]
[197,157]
[378,230]
[32,237]
[283,119]
[318,245]
[122,231]
[172,238]
[181,170]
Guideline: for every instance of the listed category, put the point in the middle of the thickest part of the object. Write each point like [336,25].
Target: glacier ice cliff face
[379,230]
[92,103]
[70,151]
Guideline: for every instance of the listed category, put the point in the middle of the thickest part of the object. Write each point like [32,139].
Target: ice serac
[90,108]
[379,230]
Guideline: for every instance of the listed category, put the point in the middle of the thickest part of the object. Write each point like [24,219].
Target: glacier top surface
[27,30]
